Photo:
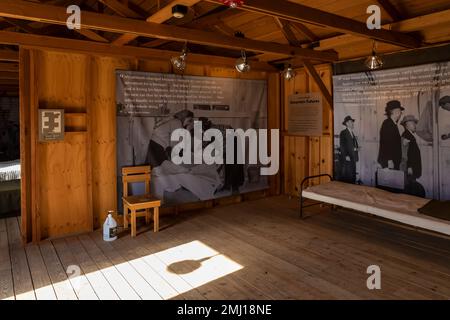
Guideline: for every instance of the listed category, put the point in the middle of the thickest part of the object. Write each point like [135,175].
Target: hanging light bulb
[242,64]
[289,73]
[374,61]
[233,3]
[179,62]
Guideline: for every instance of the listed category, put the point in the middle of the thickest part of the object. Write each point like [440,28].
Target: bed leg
[301,207]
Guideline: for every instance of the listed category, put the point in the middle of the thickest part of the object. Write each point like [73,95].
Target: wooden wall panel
[305,156]
[63,197]
[63,167]
[103,123]
[75,180]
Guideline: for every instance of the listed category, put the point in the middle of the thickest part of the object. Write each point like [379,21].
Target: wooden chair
[139,205]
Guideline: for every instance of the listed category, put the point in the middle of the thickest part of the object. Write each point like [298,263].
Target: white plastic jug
[110,228]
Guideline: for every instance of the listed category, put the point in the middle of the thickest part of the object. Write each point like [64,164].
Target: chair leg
[133,222]
[125,216]
[147,216]
[155,219]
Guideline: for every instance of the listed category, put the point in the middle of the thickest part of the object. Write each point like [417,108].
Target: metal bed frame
[302,199]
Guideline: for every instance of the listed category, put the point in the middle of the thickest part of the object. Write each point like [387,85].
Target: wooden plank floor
[252,250]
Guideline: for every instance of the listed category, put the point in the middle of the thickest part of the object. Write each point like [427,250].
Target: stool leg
[155,219]
[133,222]
[147,216]
[125,216]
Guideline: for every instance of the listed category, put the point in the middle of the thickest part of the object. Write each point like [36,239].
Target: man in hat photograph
[349,151]
[412,160]
[390,152]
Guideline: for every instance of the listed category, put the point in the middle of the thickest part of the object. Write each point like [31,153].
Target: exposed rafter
[102,49]
[300,13]
[300,27]
[160,16]
[57,15]
[203,22]
[292,39]
[408,25]
[121,9]
[391,10]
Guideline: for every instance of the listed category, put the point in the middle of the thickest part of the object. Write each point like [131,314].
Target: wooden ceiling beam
[391,10]
[20,25]
[408,25]
[57,15]
[300,27]
[121,9]
[292,39]
[200,23]
[103,49]
[287,32]
[299,13]
[160,16]
[92,35]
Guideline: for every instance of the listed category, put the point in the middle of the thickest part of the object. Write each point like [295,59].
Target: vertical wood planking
[25,144]
[307,155]
[34,173]
[274,122]
[73,183]
[88,106]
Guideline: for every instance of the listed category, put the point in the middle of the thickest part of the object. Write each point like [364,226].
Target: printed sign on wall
[305,114]
[51,125]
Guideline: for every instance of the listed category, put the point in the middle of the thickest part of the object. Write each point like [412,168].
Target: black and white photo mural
[151,106]
[392,129]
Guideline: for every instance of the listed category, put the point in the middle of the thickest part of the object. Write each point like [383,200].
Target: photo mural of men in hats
[411,157]
[349,151]
[390,152]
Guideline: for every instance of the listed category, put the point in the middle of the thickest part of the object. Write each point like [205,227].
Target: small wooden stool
[139,205]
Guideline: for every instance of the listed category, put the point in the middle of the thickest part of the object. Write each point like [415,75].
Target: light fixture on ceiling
[374,61]
[179,62]
[179,11]
[242,64]
[289,73]
[233,3]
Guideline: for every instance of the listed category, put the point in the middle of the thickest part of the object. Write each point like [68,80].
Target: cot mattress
[9,196]
[10,170]
[399,207]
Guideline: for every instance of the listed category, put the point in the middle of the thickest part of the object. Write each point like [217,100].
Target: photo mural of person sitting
[160,146]
[152,106]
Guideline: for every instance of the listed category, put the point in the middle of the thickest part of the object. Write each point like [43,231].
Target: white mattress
[399,207]
[10,170]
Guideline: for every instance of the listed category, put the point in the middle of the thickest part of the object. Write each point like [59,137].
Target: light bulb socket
[179,11]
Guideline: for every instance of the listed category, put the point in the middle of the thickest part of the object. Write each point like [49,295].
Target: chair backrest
[136,174]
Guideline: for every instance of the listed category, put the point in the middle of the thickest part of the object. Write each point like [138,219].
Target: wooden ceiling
[275,31]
